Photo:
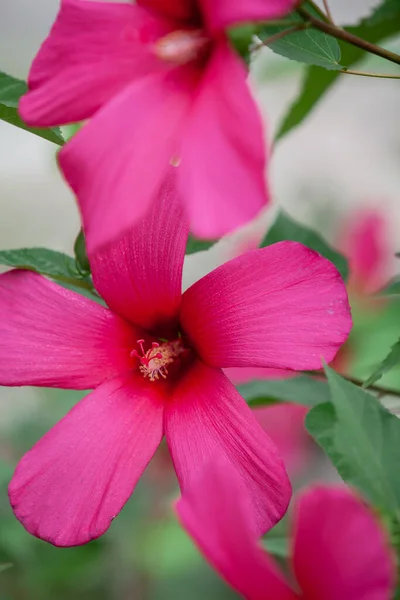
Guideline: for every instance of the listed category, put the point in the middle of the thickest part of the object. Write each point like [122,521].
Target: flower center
[182,46]
[154,362]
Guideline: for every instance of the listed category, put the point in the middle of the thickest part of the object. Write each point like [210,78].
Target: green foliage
[388,9]
[308,45]
[241,38]
[392,360]
[50,263]
[11,90]
[5,566]
[301,390]
[392,289]
[285,228]
[362,439]
[81,257]
[195,245]
[317,81]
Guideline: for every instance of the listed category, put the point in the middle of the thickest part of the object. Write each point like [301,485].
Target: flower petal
[140,276]
[340,551]
[220,15]
[223,150]
[365,242]
[207,418]
[180,10]
[50,336]
[117,162]
[283,306]
[76,479]
[216,513]
[93,51]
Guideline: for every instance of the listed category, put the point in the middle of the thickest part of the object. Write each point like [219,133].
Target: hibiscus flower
[155,359]
[339,550]
[162,84]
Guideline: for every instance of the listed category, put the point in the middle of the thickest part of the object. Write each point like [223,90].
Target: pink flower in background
[155,358]
[339,550]
[163,85]
[365,242]
[284,423]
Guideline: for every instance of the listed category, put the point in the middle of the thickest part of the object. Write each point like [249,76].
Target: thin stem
[281,34]
[367,74]
[328,11]
[348,37]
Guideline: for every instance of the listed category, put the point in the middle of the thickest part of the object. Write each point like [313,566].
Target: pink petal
[117,162]
[340,551]
[181,10]
[284,423]
[223,155]
[50,336]
[216,513]
[76,479]
[208,418]
[94,49]
[283,306]
[222,14]
[140,276]
[365,243]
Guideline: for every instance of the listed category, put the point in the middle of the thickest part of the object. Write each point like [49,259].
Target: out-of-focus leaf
[10,115]
[195,245]
[388,9]
[392,289]
[301,390]
[241,38]
[317,81]
[277,546]
[308,46]
[11,90]
[50,263]
[361,438]
[391,360]
[80,253]
[5,566]
[285,228]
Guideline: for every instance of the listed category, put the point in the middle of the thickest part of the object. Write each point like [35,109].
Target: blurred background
[338,173]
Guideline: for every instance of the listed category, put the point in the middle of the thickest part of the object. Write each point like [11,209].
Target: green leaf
[195,245]
[301,390]
[285,228]
[388,9]
[392,360]
[392,289]
[317,81]
[5,566]
[308,46]
[80,253]
[50,263]
[11,90]
[362,439]
[277,546]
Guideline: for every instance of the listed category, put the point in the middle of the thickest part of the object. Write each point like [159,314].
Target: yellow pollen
[154,362]
[181,47]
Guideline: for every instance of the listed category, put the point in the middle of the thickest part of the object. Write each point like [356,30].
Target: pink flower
[155,358]
[283,422]
[365,243]
[339,551]
[164,86]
